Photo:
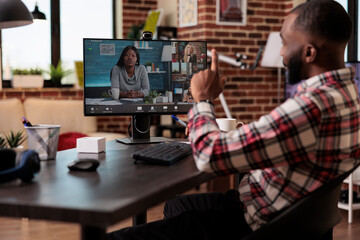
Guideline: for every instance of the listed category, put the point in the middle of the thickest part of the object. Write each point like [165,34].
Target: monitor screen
[127,77]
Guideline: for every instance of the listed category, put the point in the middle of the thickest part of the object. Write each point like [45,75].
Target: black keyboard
[165,153]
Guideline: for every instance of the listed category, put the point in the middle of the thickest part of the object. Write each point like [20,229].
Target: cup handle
[109,92]
[239,124]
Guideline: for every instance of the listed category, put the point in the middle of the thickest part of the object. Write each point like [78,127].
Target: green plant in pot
[2,142]
[57,73]
[12,140]
[27,78]
[135,31]
[148,66]
[31,71]
[152,95]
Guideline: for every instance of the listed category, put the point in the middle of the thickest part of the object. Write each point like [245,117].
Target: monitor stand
[140,131]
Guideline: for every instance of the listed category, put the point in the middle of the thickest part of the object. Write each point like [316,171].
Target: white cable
[224,105]
[233,62]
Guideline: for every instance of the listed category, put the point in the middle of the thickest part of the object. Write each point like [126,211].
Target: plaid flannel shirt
[300,145]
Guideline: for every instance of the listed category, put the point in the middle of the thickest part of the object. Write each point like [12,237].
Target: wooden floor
[346,231]
[25,229]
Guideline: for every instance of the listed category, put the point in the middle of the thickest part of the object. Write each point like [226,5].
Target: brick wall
[48,93]
[135,12]
[249,94]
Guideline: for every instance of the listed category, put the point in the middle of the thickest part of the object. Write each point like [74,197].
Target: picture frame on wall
[231,12]
[187,13]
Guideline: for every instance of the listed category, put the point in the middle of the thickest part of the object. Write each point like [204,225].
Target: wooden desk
[117,190]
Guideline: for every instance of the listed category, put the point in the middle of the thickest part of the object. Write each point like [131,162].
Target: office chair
[312,217]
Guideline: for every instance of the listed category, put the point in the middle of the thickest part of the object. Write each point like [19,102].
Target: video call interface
[127,77]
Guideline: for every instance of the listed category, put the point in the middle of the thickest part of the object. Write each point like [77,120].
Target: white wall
[297,2]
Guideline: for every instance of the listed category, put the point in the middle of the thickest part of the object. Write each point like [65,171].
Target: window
[30,46]
[344,3]
[27,46]
[82,19]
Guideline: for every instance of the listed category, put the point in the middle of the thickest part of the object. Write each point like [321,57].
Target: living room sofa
[67,113]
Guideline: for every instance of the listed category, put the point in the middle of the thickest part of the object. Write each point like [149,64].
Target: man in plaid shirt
[304,143]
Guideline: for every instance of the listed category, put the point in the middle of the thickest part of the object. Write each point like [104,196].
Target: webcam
[147,35]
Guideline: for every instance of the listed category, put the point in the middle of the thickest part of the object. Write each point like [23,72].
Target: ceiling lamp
[14,13]
[37,14]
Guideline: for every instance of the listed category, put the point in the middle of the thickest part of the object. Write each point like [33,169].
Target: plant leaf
[2,142]
[15,139]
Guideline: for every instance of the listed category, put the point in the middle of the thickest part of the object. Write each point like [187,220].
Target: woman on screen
[129,76]
[190,55]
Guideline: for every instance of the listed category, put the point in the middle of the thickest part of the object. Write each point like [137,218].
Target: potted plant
[135,31]
[2,142]
[57,73]
[148,66]
[151,98]
[12,140]
[27,78]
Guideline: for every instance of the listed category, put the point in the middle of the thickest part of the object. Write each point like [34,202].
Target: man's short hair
[325,19]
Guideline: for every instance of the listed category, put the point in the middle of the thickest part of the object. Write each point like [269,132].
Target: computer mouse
[87,164]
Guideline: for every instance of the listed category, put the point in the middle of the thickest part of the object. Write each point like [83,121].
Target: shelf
[345,206]
[354,206]
[355,182]
[142,45]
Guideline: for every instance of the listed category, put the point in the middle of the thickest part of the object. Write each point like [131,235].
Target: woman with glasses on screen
[129,76]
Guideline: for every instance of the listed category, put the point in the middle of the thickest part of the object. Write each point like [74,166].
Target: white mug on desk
[114,93]
[227,124]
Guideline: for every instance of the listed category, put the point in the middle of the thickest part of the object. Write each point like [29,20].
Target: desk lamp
[166,56]
[272,58]
[13,13]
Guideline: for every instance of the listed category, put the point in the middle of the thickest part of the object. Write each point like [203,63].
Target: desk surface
[117,190]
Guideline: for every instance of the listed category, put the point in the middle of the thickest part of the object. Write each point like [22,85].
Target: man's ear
[310,53]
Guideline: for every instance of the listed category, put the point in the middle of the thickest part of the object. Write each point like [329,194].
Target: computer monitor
[290,89]
[156,82]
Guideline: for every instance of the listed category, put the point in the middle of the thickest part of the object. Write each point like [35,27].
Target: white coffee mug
[114,93]
[228,124]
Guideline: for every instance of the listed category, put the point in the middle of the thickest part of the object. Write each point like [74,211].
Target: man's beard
[294,69]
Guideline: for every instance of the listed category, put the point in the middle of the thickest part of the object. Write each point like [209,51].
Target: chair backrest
[309,218]
[11,112]
[67,113]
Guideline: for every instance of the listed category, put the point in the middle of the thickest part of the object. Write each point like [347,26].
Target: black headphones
[21,165]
